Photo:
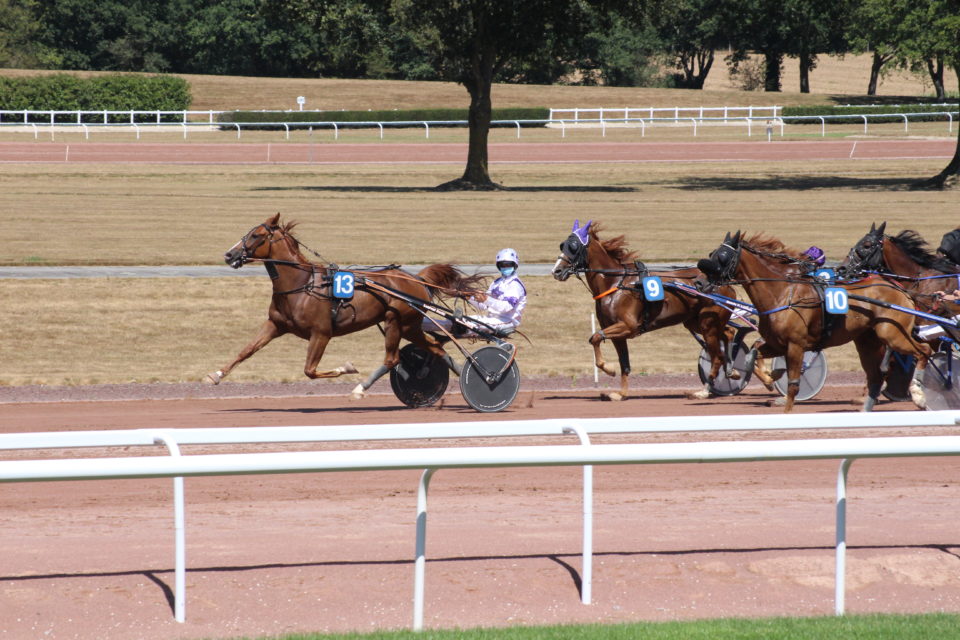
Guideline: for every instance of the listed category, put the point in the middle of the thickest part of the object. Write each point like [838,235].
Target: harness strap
[607,292]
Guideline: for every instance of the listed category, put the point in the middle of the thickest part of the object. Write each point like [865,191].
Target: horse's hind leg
[870,349]
[623,354]
[391,342]
[268,331]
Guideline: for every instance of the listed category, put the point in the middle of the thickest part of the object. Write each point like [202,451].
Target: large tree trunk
[807,62]
[478,81]
[935,69]
[875,66]
[950,176]
[772,68]
[702,60]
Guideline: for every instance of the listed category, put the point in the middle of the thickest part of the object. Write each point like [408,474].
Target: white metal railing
[104,116]
[576,114]
[432,459]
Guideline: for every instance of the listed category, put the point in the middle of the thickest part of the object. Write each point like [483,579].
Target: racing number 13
[343,284]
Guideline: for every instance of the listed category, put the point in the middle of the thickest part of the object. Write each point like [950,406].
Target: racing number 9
[652,289]
[343,285]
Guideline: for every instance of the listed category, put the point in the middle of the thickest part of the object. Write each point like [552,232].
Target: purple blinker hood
[582,232]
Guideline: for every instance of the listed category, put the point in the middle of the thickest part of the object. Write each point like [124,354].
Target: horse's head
[722,264]
[255,244]
[867,254]
[573,252]
[950,246]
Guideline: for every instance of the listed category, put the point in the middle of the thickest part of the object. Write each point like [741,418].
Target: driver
[503,302]
[816,256]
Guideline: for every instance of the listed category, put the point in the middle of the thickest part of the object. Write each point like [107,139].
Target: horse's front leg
[616,331]
[268,331]
[316,347]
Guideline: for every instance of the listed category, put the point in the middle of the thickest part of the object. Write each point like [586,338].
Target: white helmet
[508,255]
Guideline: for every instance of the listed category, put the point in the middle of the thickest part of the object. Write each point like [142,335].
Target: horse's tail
[448,281]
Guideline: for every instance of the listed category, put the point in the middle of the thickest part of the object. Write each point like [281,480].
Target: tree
[875,26]
[947,29]
[471,41]
[691,30]
[19,31]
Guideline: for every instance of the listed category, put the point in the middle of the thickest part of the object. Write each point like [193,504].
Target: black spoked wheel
[733,376]
[420,378]
[896,387]
[940,383]
[486,395]
[813,375]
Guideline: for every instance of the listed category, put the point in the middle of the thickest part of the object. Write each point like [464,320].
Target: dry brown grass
[118,330]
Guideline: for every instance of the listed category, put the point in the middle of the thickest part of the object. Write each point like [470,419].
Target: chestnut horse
[613,278]
[793,317]
[303,303]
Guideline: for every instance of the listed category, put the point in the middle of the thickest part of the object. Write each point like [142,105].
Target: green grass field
[872,627]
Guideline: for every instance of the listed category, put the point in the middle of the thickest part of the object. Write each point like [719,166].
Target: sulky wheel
[723,385]
[940,381]
[813,375]
[489,396]
[420,378]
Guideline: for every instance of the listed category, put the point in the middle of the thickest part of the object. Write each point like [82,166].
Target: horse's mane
[772,247]
[286,230]
[911,243]
[616,247]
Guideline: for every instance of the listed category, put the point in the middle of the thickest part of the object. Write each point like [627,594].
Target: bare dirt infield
[334,552]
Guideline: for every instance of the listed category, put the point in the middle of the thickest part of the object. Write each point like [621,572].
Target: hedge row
[303,118]
[113,92]
[870,110]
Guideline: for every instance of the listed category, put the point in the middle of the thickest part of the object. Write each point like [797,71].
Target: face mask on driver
[507,271]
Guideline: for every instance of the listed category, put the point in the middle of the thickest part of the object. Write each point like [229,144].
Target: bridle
[723,263]
[863,258]
[248,248]
[574,251]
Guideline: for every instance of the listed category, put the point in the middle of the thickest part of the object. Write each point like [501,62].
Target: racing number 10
[836,300]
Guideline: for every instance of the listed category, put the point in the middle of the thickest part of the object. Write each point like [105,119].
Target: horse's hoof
[703,394]
[347,368]
[868,404]
[777,402]
[917,395]
[609,372]
[613,396]
[213,378]
[357,393]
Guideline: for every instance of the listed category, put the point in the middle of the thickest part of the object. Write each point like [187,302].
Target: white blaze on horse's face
[560,273]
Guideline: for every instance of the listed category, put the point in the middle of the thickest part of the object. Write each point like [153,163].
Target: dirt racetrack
[334,552]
